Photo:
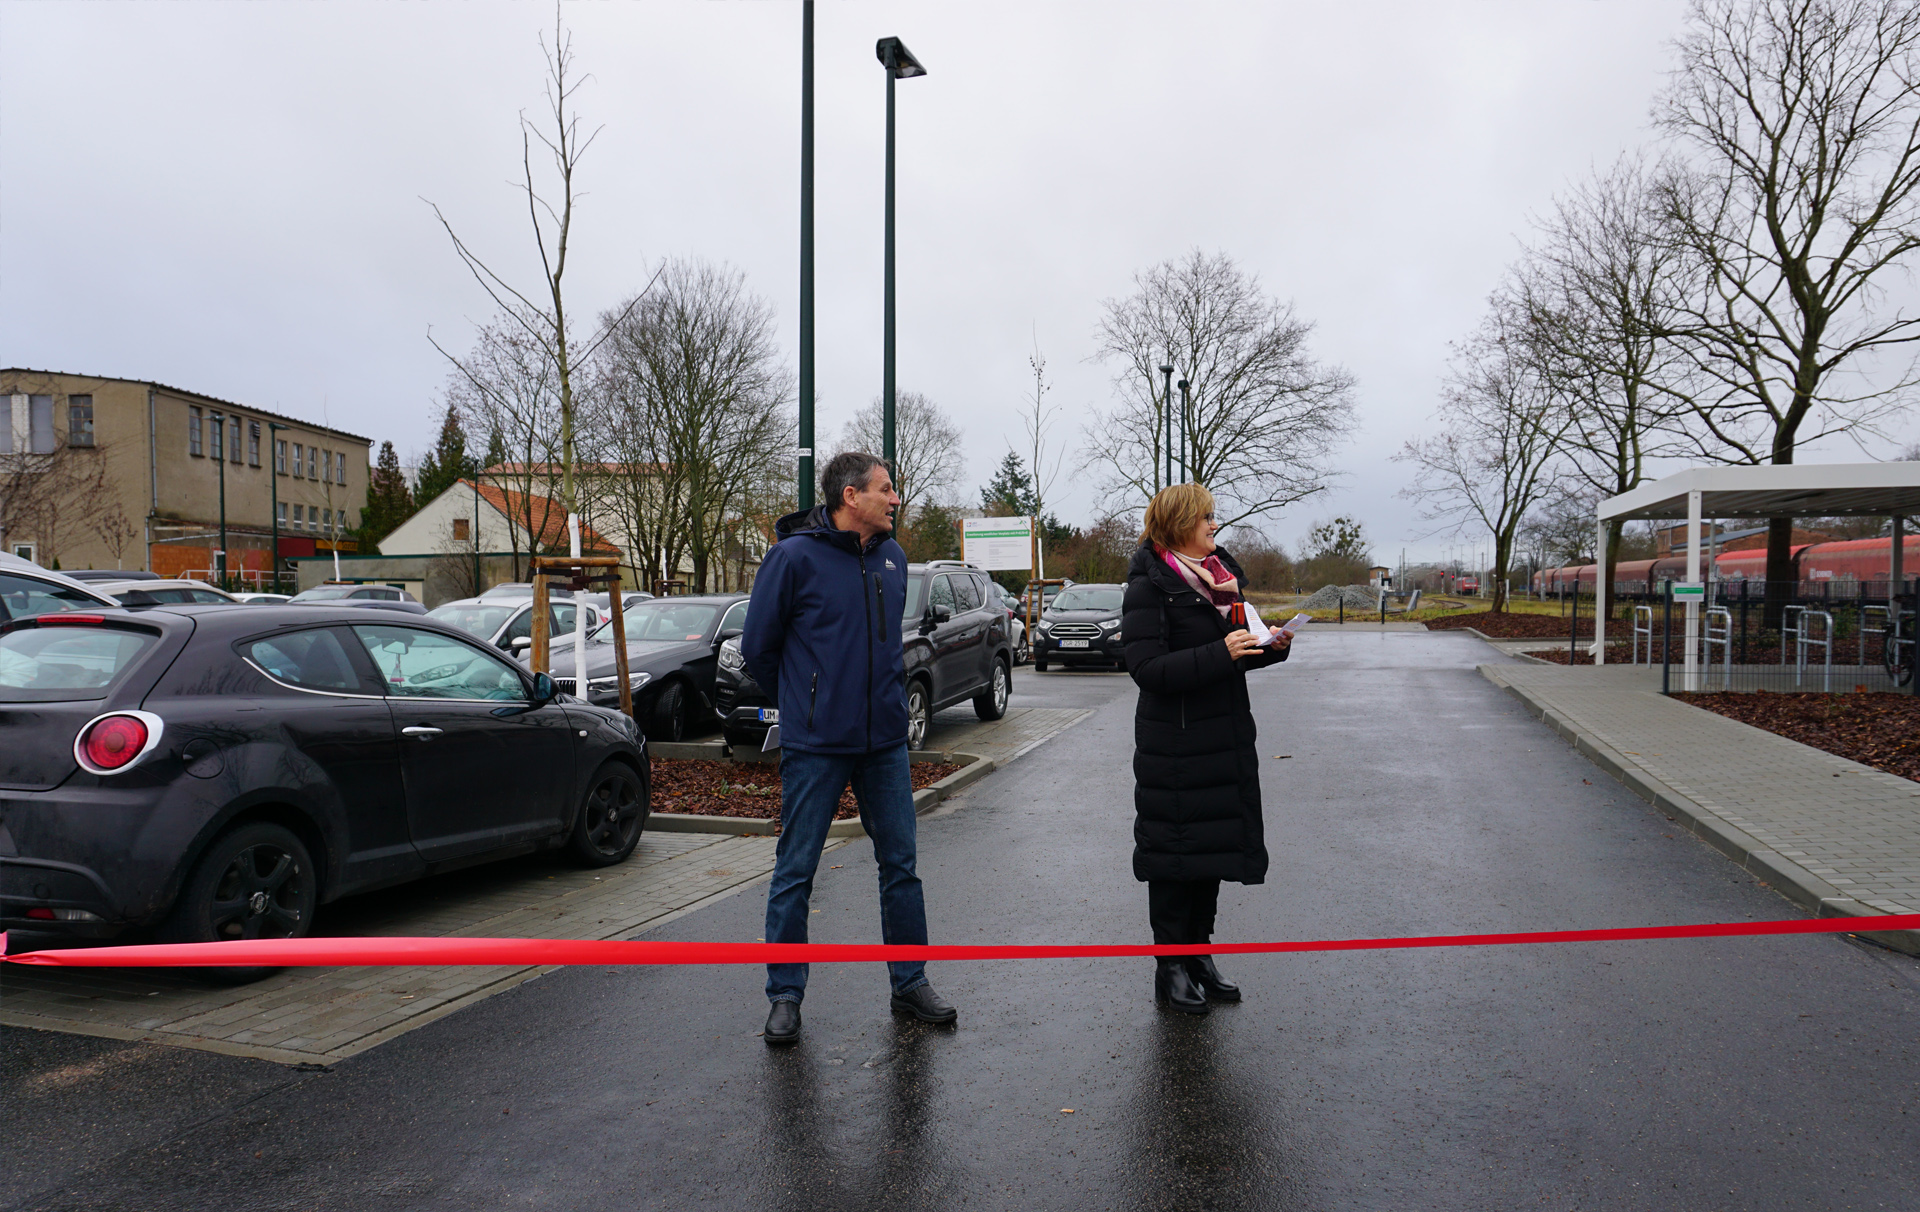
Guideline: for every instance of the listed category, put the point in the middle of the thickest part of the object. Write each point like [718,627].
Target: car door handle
[421,731]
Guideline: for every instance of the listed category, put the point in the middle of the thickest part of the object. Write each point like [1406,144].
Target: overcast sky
[228,198]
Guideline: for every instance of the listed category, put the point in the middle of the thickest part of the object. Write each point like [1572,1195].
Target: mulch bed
[1879,730]
[1504,626]
[709,788]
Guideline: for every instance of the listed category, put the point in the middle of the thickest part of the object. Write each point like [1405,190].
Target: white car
[507,623]
[163,591]
[26,589]
[262,599]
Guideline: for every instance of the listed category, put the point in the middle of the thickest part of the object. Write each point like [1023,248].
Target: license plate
[769,715]
[1076,643]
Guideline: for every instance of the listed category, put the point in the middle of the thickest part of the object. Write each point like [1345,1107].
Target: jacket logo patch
[890,567]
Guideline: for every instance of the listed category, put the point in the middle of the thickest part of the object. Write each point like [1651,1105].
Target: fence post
[1666,640]
[1573,629]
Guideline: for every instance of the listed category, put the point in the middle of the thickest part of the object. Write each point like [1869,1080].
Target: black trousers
[1182,910]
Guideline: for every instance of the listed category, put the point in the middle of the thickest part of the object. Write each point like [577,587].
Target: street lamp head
[1166,369]
[898,59]
[1182,385]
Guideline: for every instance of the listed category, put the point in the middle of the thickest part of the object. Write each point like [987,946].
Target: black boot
[783,1023]
[1217,988]
[1174,987]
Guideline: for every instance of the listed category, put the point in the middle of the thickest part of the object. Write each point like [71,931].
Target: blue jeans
[811,784]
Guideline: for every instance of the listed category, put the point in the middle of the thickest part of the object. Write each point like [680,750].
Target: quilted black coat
[1195,766]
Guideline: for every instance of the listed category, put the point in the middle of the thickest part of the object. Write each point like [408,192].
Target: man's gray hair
[849,469]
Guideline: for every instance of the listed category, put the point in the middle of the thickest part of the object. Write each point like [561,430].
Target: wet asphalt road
[1775,1073]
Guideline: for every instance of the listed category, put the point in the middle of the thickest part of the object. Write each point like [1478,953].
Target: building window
[219,436]
[299,517]
[299,460]
[280,515]
[253,443]
[340,467]
[280,456]
[193,431]
[313,462]
[234,427]
[25,551]
[40,438]
[326,526]
[461,530]
[79,420]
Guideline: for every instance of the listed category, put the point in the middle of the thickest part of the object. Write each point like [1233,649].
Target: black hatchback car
[1081,627]
[957,647]
[217,772]
[673,651]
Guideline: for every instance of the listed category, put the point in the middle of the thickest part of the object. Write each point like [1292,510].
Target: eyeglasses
[1206,517]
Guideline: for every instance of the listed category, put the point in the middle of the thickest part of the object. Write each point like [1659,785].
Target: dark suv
[957,644]
[1081,627]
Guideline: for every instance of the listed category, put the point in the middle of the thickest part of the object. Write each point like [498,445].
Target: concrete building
[101,472]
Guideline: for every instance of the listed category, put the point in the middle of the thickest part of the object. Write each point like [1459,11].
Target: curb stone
[973,768]
[1787,877]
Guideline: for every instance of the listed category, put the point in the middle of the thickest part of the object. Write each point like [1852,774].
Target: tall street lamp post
[806,256]
[220,457]
[900,65]
[1166,402]
[1187,471]
[273,481]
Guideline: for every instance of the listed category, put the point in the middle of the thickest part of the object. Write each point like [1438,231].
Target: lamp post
[805,473]
[477,587]
[1166,400]
[220,457]
[1186,468]
[273,481]
[901,65]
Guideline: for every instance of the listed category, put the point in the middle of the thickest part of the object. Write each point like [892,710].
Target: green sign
[1689,593]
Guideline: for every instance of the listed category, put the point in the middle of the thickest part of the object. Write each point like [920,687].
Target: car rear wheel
[919,714]
[668,721]
[1024,653]
[612,815]
[992,703]
[254,882]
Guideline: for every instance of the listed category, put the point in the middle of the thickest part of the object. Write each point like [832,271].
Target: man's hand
[1241,643]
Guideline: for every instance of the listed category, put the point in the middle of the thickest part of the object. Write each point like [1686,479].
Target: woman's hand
[1241,643]
[1282,640]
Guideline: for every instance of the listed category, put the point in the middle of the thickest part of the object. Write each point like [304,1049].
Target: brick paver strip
[1832,835]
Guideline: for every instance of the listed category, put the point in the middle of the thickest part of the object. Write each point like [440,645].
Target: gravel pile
[1330,596]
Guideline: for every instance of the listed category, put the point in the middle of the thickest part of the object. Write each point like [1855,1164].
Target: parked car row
[195,771]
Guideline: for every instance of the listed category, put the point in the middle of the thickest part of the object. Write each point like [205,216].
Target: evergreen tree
[446,463]
[1010,492]
[496,450]
[388,501]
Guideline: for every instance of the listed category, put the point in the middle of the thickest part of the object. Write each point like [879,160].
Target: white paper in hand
[1294,624]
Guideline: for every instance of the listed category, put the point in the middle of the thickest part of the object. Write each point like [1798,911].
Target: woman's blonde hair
[1174,513]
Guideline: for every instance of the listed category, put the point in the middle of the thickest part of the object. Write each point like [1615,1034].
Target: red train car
[1850,560]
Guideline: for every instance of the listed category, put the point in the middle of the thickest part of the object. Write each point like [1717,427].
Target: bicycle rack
[1868,615]
[1642,629]
[1804,641]
[1724,638]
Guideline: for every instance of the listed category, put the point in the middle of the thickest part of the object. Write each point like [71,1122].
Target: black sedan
[673,650]
[1081,627]
[217,772]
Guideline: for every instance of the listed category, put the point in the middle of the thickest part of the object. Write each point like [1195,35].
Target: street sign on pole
[998,544]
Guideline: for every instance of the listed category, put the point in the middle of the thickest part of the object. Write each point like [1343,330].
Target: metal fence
[1756,635]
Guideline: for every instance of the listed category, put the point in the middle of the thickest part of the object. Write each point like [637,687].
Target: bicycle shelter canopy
[1767,491]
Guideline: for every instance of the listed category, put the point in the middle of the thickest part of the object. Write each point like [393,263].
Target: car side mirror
[728,634]
[938,613]
[544,691]
[521,642]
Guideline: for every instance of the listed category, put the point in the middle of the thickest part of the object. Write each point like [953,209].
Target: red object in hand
[113,742]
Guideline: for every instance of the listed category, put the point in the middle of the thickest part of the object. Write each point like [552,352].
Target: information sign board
[998,544]
[1689,593]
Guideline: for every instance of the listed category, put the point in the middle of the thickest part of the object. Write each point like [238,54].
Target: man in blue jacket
[823,639]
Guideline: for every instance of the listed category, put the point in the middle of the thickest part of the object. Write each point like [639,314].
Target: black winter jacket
[1196,770]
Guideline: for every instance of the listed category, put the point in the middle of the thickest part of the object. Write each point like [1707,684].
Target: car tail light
[40,914]
[72,620]
[117,740]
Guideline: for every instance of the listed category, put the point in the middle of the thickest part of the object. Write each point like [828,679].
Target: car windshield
[665,619]
[325,593]
[63,664]
[480,621]
[1091,597]
[24,597]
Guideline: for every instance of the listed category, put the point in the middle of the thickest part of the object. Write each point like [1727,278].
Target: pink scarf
[1209,578]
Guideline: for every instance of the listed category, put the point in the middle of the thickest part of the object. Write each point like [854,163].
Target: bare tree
[1265,415]
[693,380]
[1803,120]
[1598,298]
[1488,465]
[48,495]
[542,315]
[509,385]
[926,447]
[1037,417]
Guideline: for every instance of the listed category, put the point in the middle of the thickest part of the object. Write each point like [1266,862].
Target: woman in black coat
[1196,770]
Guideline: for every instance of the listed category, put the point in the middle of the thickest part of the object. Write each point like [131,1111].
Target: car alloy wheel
[917,715]
[993,704]
[612,815]
[254,882]
[1024,653]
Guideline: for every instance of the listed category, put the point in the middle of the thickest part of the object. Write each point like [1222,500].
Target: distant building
[101,472]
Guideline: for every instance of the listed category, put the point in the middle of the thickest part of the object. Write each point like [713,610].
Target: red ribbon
[523,952]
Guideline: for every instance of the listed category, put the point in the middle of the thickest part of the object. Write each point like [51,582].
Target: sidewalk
[1834,836]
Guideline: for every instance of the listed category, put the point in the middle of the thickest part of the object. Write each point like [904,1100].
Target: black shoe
[1217,988]
[783,1023]
[1173,986]
[924,1004]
